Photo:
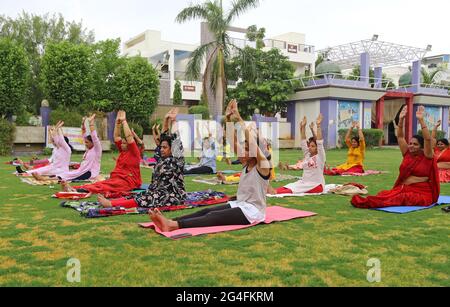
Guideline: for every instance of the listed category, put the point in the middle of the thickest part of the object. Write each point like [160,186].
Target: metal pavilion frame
[381,53]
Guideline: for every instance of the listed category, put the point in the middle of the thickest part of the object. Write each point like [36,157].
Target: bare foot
[65,186]
[221,177]
[228,161]
[162,222]
[103,201]
[36,176]
[155,219]
[271,190]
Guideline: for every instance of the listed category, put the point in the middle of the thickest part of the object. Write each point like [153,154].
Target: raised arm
[263,165]
[400,134]
[126,130]
[319,127]
[349,134]
[83,127]
[434,133]
[428,148]
[362,140]
[94,136]
[136,138]
[118,126]
[303,124]
[311,127]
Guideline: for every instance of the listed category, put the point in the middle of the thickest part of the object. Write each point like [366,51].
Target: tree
[177,95]
[67,74]
[106,60]
[136,86]
[216,52]
[428,78]
[256,35]
[14,76]
[34,32]
[266,90]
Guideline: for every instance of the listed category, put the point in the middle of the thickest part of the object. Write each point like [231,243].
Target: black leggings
[199,170]
[216,216]
[85,176]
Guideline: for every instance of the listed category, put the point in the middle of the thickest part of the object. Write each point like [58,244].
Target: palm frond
[216,20]
[192,12]
[194,66]
[240,6]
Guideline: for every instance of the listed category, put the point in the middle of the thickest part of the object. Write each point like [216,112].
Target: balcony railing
[283,45]
[366,82]
[273,43]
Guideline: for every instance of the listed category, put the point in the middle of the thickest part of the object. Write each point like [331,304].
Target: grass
[37,237]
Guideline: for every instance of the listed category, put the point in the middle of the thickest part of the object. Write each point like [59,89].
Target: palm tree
[216,52]
[428,77]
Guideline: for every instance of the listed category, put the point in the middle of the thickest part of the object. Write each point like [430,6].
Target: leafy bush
[70,118]
[200,109]
[7,131]
[373,137]
[23,119]
[47,151]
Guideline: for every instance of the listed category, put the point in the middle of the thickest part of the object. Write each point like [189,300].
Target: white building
[171,58]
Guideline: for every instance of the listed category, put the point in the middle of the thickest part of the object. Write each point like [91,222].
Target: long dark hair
[68,143]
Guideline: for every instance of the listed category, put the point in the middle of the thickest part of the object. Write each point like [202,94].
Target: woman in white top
[313,164]
[250,206]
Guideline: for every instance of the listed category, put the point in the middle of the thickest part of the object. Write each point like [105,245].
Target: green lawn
[37,237]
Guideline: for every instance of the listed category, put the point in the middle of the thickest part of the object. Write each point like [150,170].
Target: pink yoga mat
[273,214]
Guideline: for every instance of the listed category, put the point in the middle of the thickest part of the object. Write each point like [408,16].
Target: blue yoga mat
[229,172]
[407,209]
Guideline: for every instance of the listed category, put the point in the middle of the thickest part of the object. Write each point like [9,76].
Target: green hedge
[70,118]
[7,131]
[200,109]
[372,137]
[439,135]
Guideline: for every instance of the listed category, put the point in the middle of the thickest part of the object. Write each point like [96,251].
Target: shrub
[177,94]
[7,131]
[200,109]
[70,118]
[23,119]
[372,137]
[47,151]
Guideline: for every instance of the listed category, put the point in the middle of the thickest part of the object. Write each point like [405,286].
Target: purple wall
[415,81]
[414,120]
[111,120]
[378,77]
[445,120]
[328,108]
[365,67]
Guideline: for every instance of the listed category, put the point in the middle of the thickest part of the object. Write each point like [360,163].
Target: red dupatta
[420,166]
[442,156]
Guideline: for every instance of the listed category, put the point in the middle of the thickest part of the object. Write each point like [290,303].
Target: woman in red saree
[442,155]
[418,181]
[126,175]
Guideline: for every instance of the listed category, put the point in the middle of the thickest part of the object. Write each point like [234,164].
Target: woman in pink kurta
[60,159]
[90,165]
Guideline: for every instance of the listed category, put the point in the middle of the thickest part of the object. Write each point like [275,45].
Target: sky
[326,23]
